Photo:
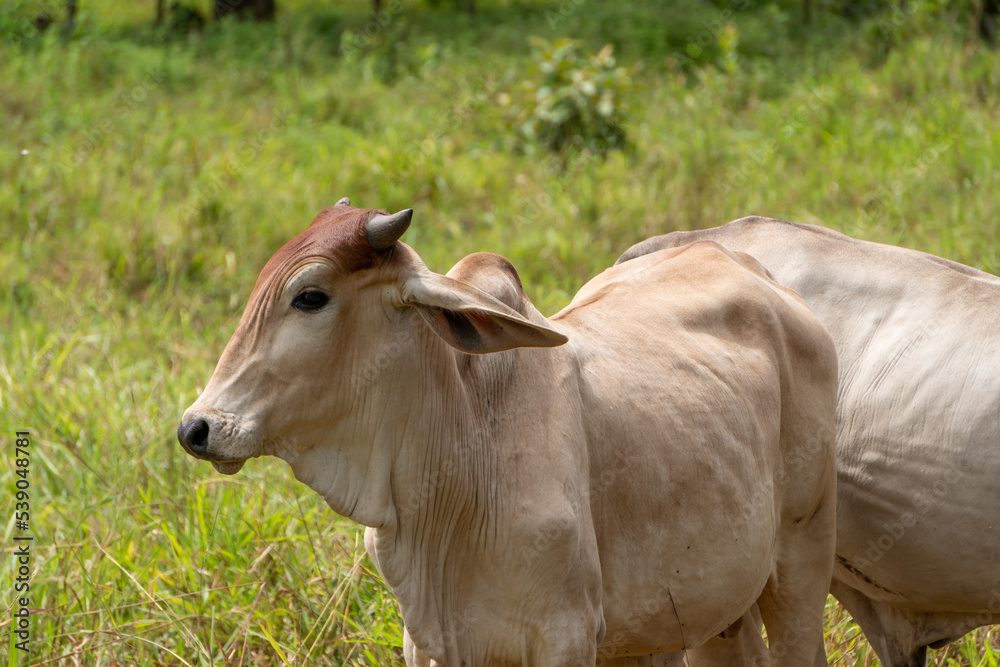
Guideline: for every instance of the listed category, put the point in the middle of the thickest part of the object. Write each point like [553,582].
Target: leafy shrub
[577,99]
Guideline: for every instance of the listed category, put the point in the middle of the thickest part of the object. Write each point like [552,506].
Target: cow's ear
[470,320]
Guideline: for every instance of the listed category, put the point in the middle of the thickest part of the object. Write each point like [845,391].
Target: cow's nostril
[194,435]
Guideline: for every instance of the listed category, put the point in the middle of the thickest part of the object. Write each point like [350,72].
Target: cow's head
[344,320]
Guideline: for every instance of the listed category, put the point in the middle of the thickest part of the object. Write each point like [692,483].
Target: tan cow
[918,433]
[529,501]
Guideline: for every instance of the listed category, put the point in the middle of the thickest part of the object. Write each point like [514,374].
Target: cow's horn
[385,230]
[343,201]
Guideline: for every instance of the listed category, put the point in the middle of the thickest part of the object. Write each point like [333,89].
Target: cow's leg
[889,632]
[411,654]
[743,647]
[794,598]
[821,655]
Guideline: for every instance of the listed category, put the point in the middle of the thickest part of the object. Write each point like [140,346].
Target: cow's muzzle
[195,435]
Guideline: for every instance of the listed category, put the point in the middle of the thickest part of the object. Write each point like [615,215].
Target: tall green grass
[145,178]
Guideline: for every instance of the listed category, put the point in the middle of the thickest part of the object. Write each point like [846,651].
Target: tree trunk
[159,13]
[989,13]
[265,10]
[70,16]
[261,10]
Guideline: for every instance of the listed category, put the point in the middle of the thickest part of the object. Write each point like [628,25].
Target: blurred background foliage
[150,166]
[574,100]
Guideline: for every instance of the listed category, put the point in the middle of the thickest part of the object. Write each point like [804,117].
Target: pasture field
[146,177]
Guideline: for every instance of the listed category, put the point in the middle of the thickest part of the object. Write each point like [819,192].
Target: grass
[145,179]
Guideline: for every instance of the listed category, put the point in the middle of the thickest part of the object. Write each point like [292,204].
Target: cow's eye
[310,300]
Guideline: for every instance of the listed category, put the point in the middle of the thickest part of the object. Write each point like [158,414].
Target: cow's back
[705,387]
[918,340]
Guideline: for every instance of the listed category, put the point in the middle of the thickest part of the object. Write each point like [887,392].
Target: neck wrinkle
[440,495]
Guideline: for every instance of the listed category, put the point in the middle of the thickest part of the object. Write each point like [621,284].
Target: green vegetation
[146,176]
[575,101]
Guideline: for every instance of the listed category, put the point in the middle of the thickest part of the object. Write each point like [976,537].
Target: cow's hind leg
[743,648]
[889,632]
[747,649]
[794,598]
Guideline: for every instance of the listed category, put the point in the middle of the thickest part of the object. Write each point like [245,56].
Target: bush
[577,99]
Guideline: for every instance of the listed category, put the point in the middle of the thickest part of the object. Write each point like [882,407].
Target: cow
[918,428]
[617,483]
